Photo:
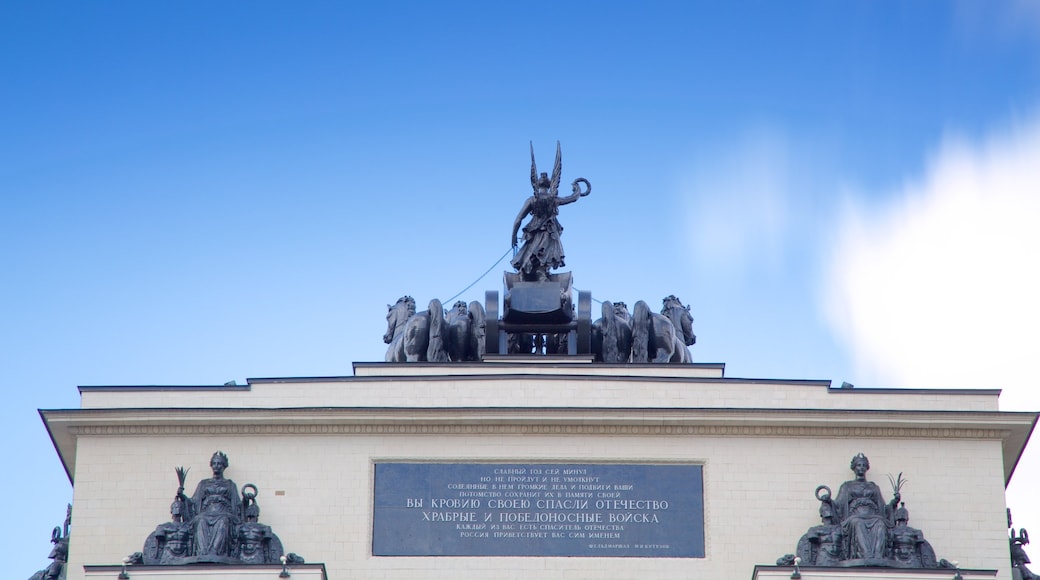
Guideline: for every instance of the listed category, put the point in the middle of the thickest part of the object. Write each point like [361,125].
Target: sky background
[199,192]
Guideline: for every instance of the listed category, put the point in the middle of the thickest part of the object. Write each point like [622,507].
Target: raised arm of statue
[576,191]
[186,504]
[894,504]
[569,199]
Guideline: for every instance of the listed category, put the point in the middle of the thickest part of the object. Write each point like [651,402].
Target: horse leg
[663,355]
[624,342]
[680,354]
[664,338]
[458,332]
[436,334]
[395,352]
[477,336]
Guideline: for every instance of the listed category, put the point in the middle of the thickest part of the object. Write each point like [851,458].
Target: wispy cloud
[939,285]
[998,19]
[748,198]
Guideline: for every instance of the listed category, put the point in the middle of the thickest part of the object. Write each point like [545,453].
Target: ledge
[314,571]
[824,573]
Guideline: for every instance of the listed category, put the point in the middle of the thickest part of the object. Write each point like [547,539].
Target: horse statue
[612,334]
[466,332]
[681,318]
[655,335]
[415,336]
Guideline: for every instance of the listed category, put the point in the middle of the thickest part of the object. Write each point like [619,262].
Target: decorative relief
[860,529]
[215,525]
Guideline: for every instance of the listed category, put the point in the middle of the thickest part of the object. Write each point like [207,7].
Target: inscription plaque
[538,509]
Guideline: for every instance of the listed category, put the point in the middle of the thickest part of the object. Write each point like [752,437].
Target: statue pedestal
[208,572]
[822,573]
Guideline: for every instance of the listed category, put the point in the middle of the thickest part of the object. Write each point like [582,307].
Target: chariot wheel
[491,338]
[584,322]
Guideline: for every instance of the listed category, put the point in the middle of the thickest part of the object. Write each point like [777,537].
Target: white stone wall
[316,491]
[567,388]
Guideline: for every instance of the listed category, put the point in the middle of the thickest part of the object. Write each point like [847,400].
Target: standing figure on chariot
[542,250]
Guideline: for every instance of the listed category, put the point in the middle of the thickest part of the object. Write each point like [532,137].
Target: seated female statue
[865,517]
[217,511]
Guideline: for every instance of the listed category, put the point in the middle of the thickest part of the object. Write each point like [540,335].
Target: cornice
[579,421]
[1012,429]
[420,428]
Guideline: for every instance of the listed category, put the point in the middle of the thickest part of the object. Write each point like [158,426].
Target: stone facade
[310,445]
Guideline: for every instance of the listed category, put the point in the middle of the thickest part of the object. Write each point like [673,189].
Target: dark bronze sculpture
[216,510]
[257,543]
[861,529]
[656,338]
[612,334]
[467,331]
[822,545]
[539,319]
[415,336]
[430,336]
[214,526]
[863,513]
[1019,558]
[680,317]
[542,250]
[59,555]
[644,336]
[539,315]
[909,547]
[172,541]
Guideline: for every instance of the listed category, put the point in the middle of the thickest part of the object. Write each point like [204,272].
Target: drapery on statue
[214,526]
[216,510]
[860,529]
[865,517]
[542,250]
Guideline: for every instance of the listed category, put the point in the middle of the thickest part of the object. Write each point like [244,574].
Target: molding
[420,428]
[867,573]
[1010,429]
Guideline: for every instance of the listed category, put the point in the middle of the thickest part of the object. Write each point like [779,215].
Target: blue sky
[194,192]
